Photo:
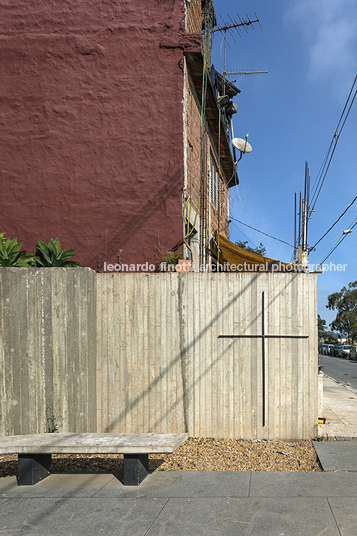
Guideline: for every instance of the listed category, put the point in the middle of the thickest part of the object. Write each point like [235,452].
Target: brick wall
[193,141]
[208,210]
[193,16]
[222,206]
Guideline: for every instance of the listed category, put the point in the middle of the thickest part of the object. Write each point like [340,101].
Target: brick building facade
[209,169]
[104,142]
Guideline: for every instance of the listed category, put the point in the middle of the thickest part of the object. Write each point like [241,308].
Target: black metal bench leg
[136,468]
[33,468]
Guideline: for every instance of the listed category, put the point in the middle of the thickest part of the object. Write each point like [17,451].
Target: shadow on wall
[185,351]
[151,220]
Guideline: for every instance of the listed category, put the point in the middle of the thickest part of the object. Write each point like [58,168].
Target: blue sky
[309,48]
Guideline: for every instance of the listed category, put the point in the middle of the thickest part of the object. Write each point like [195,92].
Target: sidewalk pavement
[183,504]
[199,503]
[339,410]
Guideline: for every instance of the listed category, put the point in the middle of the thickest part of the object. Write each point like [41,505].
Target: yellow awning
[241,260]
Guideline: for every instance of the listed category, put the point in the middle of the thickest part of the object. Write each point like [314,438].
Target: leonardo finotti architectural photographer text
[225,267]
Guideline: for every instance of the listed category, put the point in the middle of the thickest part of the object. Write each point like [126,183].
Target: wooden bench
[34,451]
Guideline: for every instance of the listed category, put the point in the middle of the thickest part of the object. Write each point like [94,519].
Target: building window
[214,182]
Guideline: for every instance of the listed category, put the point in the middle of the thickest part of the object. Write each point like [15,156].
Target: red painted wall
[91,143]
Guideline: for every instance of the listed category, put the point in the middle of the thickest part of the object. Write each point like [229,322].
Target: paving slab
[345,513]
[289,484]
[57,485]
[238,517]
[183,484]
[183,503]
[7,485]
[337,455]
[158,484]
[78,517]
[339,410]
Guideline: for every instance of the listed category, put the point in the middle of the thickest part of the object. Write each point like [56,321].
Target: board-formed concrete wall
[47,350]
[142,353]
[161,366]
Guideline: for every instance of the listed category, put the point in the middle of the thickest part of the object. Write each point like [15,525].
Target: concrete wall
[152,359]
[163,368]
[47,349]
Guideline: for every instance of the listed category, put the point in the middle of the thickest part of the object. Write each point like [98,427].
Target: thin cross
[263,336]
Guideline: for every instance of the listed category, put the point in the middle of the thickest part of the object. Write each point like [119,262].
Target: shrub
[10,254]
[51,255]
[170,258]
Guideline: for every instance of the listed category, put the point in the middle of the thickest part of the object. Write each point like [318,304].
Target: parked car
[347,351]
[326,349]
[335,349]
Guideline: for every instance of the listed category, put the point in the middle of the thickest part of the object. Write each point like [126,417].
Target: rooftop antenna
[235,24]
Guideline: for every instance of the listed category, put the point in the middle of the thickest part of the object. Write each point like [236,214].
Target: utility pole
[304,216]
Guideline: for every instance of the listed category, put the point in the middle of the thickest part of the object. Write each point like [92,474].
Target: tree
[330,339]
[345,303]
[324,335]
[321,328]
[260,250]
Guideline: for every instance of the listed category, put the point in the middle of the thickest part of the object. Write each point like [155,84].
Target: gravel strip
[196,454]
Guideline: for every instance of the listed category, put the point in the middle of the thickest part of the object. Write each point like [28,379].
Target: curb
[341,438]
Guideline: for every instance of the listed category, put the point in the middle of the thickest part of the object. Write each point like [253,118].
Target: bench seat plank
[34,451]
[91,443]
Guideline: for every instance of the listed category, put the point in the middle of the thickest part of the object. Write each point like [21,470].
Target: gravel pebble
[196,454]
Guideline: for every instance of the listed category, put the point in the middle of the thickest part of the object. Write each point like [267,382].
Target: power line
[344,236]
[249,240]
[334,141]
[332,226]
[329,155]
[336,135]
[254,229]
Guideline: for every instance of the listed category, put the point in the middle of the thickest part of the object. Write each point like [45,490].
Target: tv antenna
[229,27]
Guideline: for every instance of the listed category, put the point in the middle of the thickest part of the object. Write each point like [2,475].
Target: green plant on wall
[52,424]
[11,254]
[51,255]
[170,258]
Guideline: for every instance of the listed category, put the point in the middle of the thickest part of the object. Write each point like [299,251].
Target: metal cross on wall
[263,336]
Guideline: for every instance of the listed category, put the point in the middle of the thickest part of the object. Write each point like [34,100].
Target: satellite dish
[242,145]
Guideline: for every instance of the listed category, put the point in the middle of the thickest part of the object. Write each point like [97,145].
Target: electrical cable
[314,199]
[335,137]
[240,199]
[344,236]
[254,229]
[245,236]
[348,98]
[328,158]
[332,226]
[322,165]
